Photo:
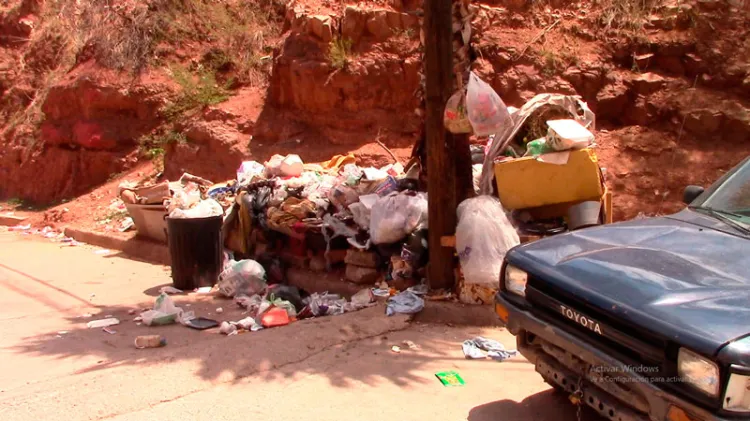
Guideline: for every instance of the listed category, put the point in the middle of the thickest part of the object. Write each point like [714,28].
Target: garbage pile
[371,222]
[535,172]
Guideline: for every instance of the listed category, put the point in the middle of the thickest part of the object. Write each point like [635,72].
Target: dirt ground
[336,368]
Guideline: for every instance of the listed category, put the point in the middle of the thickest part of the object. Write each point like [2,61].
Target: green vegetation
[339,52]
[197,91]
[626,14]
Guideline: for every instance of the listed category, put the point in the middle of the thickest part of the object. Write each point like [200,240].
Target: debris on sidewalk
[450,378]
[396,349]
[411,345]
[101,323]
[150,341]
[201,323]
[110,331]
[405,303]
[165,312]
[170,290]
[476,348]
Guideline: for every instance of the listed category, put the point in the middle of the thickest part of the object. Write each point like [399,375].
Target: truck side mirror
[691,193]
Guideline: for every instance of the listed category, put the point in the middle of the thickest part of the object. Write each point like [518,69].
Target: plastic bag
[291,166]
[164,312]
[244,277]
[342,196]
[325,304]
[405,303]
[537,147]
[487,111]
[248,171]
[204,209]
[455,118]
[483,236]
[397,215]
[352,174]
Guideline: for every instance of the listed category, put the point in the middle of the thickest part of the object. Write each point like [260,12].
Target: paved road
[334,368]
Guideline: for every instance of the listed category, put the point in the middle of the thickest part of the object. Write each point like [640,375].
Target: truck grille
[635,347]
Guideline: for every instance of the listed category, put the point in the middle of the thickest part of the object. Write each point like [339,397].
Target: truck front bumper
[566,361]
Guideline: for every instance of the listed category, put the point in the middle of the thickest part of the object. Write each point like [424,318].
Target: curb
[133,247]
[11,221]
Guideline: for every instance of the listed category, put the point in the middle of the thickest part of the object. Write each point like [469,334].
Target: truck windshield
[730,201]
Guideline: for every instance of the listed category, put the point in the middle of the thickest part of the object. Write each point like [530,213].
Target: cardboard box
[530,183]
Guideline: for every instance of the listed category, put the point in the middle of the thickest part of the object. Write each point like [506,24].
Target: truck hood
[677,276]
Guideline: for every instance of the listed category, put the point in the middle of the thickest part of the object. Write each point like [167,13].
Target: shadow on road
[270,353]
[541,406]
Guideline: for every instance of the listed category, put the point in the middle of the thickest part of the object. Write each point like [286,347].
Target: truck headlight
[515,280]
[699,372]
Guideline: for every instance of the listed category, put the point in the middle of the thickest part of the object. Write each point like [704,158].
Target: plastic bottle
[150,341]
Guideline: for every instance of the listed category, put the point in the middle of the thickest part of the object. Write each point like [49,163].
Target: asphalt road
[333,368]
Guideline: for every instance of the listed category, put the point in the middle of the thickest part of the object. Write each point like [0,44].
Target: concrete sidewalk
[338,368]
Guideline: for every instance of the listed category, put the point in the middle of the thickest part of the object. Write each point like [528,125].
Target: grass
[339,52]
[130,36]
[197,91]
[626,14]
[114,215]
[153,146]
[15,202]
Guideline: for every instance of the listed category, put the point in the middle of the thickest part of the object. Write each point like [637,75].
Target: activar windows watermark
[633,369]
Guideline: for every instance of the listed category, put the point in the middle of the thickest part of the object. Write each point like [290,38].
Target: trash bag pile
[534,170]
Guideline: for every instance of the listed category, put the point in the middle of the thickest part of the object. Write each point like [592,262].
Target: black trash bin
[195,247]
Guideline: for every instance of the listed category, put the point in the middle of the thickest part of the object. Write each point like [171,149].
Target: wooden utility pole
[441,164]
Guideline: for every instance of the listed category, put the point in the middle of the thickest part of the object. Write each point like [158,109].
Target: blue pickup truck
[647,319]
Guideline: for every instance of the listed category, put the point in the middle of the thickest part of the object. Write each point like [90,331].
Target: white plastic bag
[244,277]
[248,171]
[397,215]
[487,111]
[164,312]
[204,209]
[405,302]
[483,236]
[291,166]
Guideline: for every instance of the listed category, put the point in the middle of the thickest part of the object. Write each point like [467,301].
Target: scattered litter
[396,349]
[275,316]
[111,321]
[87,315]
[203,290]
[164,312]
[381,292]
[170,290]
[475,349]
[243,277]
[421,289]
[62,332]
[405,303]
[219,310]
[131,312]
[103,251]
[138,319]
[110,331]
[411,345]
[450,378]
[228,329]
[202,323]
[21,227]
[127,224]
[150,341]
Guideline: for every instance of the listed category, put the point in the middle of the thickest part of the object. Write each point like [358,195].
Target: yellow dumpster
[530,182]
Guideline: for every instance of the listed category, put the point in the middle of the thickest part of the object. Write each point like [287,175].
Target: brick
[365,259]
[361,275]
